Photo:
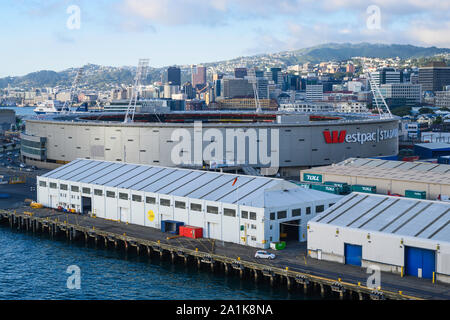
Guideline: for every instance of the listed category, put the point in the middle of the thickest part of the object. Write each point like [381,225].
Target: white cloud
[404,21]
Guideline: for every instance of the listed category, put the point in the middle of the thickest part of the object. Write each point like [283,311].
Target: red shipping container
[191,232]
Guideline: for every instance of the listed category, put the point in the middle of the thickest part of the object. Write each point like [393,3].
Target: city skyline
[119,32]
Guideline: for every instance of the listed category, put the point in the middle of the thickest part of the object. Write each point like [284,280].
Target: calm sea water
[34,267]
[25,111]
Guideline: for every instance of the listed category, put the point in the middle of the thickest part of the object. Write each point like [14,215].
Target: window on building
[212,209]
[42,184]
[229,212]
[87,190]
[252,215]
[330,205]
[136,198]
[74,188]
[253,238]
[254,226]
[282,214]
[308,210]
[320,208]
[98,192]
[150,200]
[53,185]
[296,212]
[196,207]
[244,214]
[63,186]
[272,216]
[164,202]
[180,204]
[123,196]
[110,194]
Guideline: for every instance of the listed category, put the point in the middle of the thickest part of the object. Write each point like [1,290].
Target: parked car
[261,254]
[29,169]
[22,165]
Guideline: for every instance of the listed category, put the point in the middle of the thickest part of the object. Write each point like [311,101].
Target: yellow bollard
[400,292]
[287,268]
[239,258]
[434,277]
[402,272]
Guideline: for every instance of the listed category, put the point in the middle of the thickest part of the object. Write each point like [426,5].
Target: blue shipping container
[171,226]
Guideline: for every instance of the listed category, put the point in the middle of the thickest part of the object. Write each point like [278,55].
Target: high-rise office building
[240,73]
[174,76]
[401,94]
[188,90]
[233,88]
[387,75]
[314,92]
[275,75]
[434,77]
[255,73]
[198,76]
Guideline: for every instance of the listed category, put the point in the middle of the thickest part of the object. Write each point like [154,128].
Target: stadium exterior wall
[299,145]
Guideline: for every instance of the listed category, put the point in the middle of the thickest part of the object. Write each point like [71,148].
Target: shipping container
[344,185]
[327,188]
[171,226]
[191,232]
[415,194]
[363,188]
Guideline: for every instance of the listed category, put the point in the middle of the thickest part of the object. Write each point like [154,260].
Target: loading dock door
[353,254]
[86,205]
[420,262]
[290,230]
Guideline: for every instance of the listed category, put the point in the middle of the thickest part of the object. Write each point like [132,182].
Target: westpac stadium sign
[359,137]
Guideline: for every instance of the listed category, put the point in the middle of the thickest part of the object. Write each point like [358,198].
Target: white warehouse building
[248,210]
[400,235]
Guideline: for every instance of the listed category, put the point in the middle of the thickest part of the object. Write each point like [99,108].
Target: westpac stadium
[289,141]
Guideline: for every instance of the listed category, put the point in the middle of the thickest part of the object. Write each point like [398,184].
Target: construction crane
[382,107]
[141,73]
[68,104]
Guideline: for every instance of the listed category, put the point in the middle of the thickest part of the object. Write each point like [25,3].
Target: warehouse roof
[205,185]
[389,169]
[434,145]
[400,216]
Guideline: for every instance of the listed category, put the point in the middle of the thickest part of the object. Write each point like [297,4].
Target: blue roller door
[416,258]
[353,254]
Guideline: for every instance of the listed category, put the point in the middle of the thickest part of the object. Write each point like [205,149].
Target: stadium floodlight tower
[68,103]
[141,73]
[254,81]
[382,107]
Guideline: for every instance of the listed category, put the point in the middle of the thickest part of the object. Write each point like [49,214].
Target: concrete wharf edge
[58,223]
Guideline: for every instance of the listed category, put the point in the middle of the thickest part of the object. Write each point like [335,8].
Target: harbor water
[35,267]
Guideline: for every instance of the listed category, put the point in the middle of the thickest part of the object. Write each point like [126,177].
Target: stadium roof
[205,185]
[400,216]
[389,169]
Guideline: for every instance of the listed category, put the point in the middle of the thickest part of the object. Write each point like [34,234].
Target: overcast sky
[35,34]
